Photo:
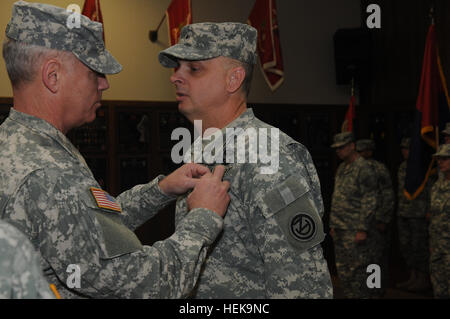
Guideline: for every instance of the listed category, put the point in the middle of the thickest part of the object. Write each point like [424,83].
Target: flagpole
[353,87]
[154,33]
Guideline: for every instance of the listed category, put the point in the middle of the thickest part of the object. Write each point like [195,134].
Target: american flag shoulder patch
[104,200]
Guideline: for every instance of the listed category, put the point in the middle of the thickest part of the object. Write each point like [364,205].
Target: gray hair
[22,60]
[248,77]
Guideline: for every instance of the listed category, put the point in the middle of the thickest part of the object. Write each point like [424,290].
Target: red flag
[178,15]
[263,18]
[91,9]
[432,111]
[432,86]
[347,125]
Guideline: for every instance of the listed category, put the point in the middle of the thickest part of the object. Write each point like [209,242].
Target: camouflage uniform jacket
[385,207]
[416,208]
[259,254]
[45,192]
[20,272]
[439,228]
[355,195]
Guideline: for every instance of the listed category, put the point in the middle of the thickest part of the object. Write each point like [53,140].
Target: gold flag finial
[431,13]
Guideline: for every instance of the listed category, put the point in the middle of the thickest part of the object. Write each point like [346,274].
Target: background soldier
[353,210]
[440,227]
[446,133]
[20,271]
[385,205]
[413,229]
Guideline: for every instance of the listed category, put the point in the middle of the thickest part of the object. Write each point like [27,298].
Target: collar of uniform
[243,121]
[348,167]
[43,127]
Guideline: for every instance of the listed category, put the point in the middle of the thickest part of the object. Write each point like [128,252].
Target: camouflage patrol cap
[365,145]
[406,141]
[444,151]
[47,26]
[446,131]
[342,138]
[202,41]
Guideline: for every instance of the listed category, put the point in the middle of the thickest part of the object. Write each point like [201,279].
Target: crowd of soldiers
[363,206]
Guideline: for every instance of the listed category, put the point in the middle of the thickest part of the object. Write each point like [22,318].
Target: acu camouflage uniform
[270,247]
[20,272]
[412,224]
[353,209]
[439,230]
[261,253]
[385,208]
[45,191]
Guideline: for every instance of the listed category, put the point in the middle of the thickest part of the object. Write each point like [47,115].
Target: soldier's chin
[184,109]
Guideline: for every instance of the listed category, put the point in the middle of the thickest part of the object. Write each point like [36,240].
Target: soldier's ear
[51,73]
[235,79]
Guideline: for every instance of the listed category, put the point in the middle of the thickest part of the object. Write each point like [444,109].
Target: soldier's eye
[194,68]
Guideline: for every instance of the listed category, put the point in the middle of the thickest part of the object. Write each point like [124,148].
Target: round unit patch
[302,227]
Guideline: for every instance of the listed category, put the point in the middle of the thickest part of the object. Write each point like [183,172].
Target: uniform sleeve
[384,214]
[71,231]
[401,183]
[142,202]
[368,189]
[288,230]
[289,271]
[20,273]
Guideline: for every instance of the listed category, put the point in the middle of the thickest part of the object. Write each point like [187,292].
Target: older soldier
[49,193]
[439,228]
[20,271]
[353,210]
[413,229]
[446,133]
[270,247]
[385,207]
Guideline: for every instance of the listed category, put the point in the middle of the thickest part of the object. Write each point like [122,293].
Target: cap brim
[104,63]
[170,56]
[441,155]
[336,145]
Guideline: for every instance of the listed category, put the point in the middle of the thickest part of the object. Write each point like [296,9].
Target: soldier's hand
[211,192]
[183,179]
[360,236]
